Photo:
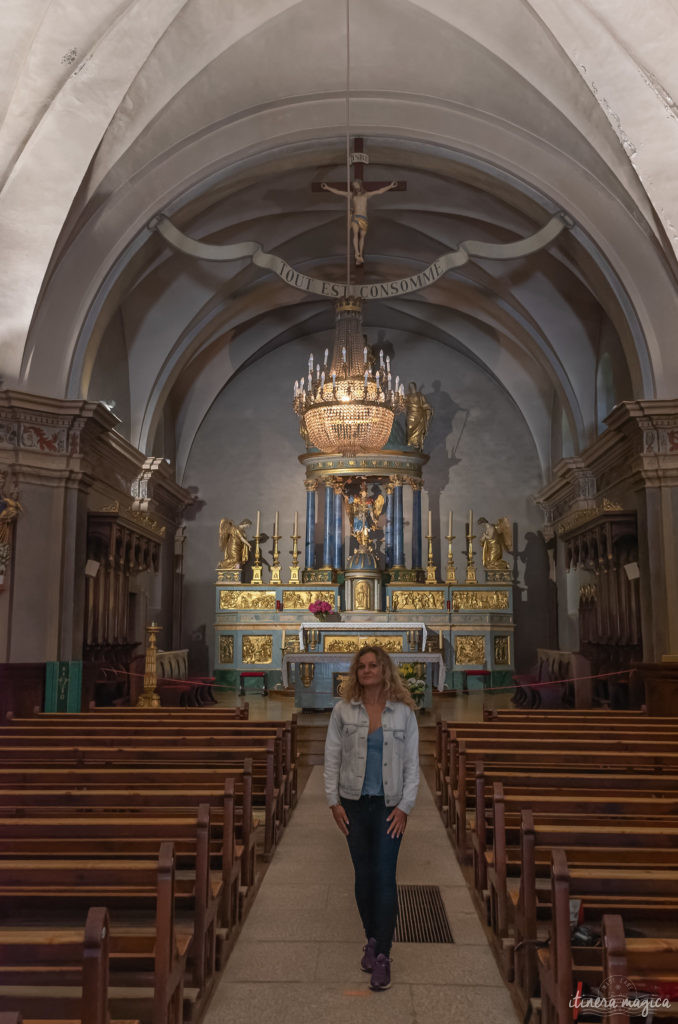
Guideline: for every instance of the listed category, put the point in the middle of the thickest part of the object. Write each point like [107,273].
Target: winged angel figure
[233,543]
[364,514]
[496,538]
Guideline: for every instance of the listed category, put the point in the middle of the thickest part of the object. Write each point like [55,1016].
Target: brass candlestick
[275,568]
[451,571]
[149,698]
[256,567]
[294,568]
[471,576]
[431,571]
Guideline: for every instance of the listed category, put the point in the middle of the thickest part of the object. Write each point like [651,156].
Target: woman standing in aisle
[371,782]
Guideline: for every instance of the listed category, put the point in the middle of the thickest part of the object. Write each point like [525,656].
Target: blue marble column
[310,525]
[416,526]
[388,532]
[398,534]
[328,545]
[338,530]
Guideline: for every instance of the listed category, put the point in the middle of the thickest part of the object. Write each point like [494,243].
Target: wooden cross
[358,171]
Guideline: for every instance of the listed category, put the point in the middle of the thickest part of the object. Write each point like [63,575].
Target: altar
[364,439]
[316,677]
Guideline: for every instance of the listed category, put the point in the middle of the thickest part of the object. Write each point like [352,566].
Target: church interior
[327,326]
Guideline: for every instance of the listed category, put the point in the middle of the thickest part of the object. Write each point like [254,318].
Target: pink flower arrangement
[321,609]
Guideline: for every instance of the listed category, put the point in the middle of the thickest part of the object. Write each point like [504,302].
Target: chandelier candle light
[348,408]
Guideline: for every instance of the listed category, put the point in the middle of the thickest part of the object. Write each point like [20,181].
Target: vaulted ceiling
[223,114]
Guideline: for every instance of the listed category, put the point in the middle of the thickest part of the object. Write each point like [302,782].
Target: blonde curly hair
[396,689]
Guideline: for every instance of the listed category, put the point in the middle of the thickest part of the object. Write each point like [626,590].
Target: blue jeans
[374,855]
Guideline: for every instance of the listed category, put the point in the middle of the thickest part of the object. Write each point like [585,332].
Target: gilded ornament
[476,600]
[417,600]
[392,644]
[234,544]
[247,600]
[299,600]
[501,650]
[419,414]
[495,539]
[362,596]
[257,649]
[469,650]
[226,649]
[341,644]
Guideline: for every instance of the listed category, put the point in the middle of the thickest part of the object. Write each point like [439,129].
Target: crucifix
[359,196]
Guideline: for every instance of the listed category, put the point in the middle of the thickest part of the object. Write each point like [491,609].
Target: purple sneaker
[369,956]
[381,975]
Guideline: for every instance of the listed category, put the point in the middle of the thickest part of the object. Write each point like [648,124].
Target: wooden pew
[83,732]
[42,961]
[173,762]
[132,838]
[651,965]
[63,793]
[571,758]
[613,786]
[588,843]
[640,896]
[152,959]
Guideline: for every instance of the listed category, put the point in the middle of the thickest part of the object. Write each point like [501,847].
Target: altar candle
[449,528]
[282,638]
[470,521]
[296,522]
[258,522]
[430,531]
[275,527]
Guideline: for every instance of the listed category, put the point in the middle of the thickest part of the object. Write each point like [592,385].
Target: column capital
[415,483]
[311,485]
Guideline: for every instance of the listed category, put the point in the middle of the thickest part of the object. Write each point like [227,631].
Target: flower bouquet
[321,609]
[413,675]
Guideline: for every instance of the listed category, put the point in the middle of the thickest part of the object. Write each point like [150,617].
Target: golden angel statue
[495,539]
[233,543]
[419,414]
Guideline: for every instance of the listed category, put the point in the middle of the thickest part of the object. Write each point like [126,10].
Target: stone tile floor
[297,959]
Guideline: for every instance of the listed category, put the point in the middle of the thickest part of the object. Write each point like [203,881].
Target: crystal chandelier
[348,407]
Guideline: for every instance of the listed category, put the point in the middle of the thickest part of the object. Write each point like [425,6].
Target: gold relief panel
[257,650]
[469,650]
[349,644]
[501,650]
[477,600]
[299,600]
[392,644]
[341,644]
[247,600]
[418,600]
[225,649]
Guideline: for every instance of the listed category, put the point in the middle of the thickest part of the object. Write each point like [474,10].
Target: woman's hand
[341,818]
[398,820]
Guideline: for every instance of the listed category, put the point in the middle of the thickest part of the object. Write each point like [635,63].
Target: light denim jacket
[346,753]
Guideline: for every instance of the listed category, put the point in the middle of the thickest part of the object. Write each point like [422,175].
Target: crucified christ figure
[359,197]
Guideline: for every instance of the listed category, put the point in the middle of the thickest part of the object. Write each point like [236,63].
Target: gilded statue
[359,197]
[233,543]
[495,540]
[419,414]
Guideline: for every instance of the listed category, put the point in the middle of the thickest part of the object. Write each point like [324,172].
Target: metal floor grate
[421,915]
